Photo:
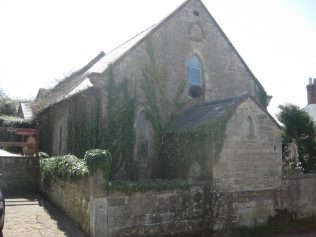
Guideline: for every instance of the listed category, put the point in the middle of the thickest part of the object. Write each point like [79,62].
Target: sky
[43,41]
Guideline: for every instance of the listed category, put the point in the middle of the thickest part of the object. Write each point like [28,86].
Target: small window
[196,13]
[142,136]
[249,128]
[195,77]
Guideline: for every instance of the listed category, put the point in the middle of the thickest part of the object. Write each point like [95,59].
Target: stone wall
[191,212]
[152,214]
[299,195]
[250,161]
[18,174]
[243,208]
[73,198]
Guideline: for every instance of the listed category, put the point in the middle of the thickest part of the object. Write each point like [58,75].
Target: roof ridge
[150,30]
[130,39]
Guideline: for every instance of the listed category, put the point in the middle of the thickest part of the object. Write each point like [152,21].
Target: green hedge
[16,122]
[67,167]
[101,159]
[70,167]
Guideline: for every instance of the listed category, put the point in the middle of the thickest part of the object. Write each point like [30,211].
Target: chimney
[311,91]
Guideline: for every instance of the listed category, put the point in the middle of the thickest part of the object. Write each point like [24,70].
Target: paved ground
[33,216]
[310,234]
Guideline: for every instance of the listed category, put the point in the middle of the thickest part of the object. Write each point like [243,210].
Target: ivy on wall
[159,108]
[201,144]
[261,95]
[71,168]
[87,130]
[82,127]
[45,122]
[174,153]
[118,133]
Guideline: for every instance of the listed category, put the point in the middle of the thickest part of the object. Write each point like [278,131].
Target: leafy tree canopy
[8,106]
[300,129]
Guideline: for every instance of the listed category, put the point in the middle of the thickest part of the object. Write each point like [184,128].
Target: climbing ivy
[261,95]
[118,133]
[200,144]
[99,159]
[82,128]
[159,108]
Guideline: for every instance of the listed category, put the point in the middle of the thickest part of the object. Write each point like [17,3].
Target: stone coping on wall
[300,176]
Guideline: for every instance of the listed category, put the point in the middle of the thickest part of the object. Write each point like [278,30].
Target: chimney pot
[311,91]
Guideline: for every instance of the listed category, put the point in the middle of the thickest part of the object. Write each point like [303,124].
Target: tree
[300,129]
[8,106]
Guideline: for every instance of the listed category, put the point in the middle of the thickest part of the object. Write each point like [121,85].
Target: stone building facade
[190,49]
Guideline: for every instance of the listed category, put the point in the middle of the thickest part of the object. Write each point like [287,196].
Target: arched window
[195,77]
[60,142]
[249,131]
[142,136]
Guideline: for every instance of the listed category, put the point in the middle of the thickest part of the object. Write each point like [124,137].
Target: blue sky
[43,41]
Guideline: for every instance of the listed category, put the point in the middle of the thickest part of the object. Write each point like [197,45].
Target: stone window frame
[60,139]
[147,134]
[201,84]
[253,135]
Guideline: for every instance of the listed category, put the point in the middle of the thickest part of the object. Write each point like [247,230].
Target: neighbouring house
[310,108]
[25,110]
[175,101]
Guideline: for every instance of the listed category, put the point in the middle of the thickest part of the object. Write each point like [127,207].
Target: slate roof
[67,87]
[119,51]
[205,113]
[42,92]
[26,110]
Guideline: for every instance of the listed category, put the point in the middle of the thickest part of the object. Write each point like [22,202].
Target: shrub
[67,167]
[43,155]
[101,159]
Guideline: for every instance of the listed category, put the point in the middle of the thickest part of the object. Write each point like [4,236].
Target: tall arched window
[142,135]
[249,128]
[60,142]
[195,77]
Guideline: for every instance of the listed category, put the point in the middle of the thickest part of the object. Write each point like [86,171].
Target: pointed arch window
[195,77]
[142,135]
[60,141]
[249,130]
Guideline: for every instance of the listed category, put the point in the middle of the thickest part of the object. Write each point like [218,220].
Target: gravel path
[33,216]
